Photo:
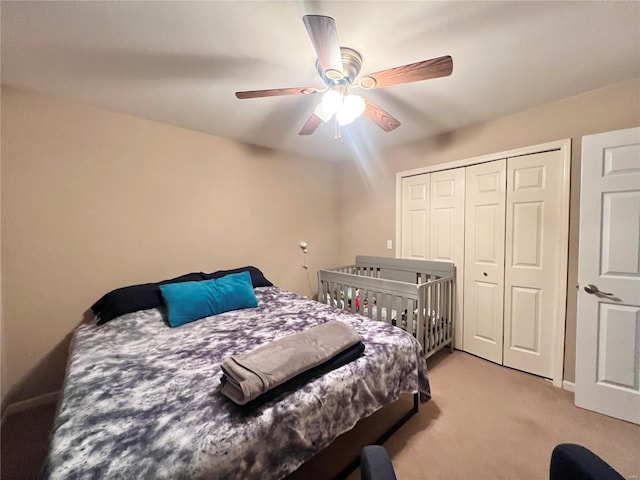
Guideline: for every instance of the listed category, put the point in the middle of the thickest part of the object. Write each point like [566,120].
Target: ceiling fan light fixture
[354,105]
[343,117]
[332,102]
[322,113]
[345,107]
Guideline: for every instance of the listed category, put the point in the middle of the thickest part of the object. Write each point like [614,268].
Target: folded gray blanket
[250,374]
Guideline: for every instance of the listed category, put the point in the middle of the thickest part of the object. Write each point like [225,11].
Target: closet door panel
[484,259]
[534,188]
[415,216]
[447,232]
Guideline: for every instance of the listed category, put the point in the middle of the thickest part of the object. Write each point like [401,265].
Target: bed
[414,295]
[143,400]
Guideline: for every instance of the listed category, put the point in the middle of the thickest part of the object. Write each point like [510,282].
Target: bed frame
[415,295]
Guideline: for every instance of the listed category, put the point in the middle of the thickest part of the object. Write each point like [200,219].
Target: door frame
[564,146]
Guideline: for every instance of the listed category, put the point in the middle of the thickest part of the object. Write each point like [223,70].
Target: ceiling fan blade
[381,118]
[311,125]
[324,36]
[414,72]
[277,92]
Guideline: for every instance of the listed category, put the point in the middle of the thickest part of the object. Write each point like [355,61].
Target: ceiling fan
[339,68]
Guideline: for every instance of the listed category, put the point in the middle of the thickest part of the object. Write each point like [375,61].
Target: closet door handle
[593,290]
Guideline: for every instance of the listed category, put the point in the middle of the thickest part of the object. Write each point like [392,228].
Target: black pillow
[136,297]
[147,295]
[257,277]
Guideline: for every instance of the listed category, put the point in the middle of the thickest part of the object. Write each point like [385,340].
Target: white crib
[415,295]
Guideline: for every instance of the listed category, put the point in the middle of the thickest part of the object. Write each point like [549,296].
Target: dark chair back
[375,464]
[575,462]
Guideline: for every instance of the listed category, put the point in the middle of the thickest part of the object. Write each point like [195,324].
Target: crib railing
[438,298]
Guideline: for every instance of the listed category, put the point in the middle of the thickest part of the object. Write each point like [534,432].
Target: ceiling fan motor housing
[351,65]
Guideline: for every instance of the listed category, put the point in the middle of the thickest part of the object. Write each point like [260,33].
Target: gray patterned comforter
[142,400]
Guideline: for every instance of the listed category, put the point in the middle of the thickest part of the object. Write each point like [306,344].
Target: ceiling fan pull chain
[338,136]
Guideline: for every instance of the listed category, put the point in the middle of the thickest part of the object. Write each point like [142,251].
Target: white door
[484,259]
[608,329]
[447,231]
[533,253]
[415,217]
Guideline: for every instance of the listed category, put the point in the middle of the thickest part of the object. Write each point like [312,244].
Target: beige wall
[368,186]
[93,200]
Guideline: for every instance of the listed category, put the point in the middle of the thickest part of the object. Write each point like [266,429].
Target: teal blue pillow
[189,301]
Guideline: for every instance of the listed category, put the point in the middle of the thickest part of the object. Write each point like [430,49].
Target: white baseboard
[569,386]
[30,403]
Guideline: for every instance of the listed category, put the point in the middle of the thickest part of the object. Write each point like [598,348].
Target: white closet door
[447,231]
[415,217]
[484,259]
[533,251]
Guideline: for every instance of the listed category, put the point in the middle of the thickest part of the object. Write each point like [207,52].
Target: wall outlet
[390,244]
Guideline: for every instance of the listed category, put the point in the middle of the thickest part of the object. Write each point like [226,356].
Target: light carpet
[486,421]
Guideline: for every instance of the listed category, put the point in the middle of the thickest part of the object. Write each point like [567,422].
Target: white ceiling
[181,62]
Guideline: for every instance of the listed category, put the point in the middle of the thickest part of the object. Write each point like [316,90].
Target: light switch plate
[389,244]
